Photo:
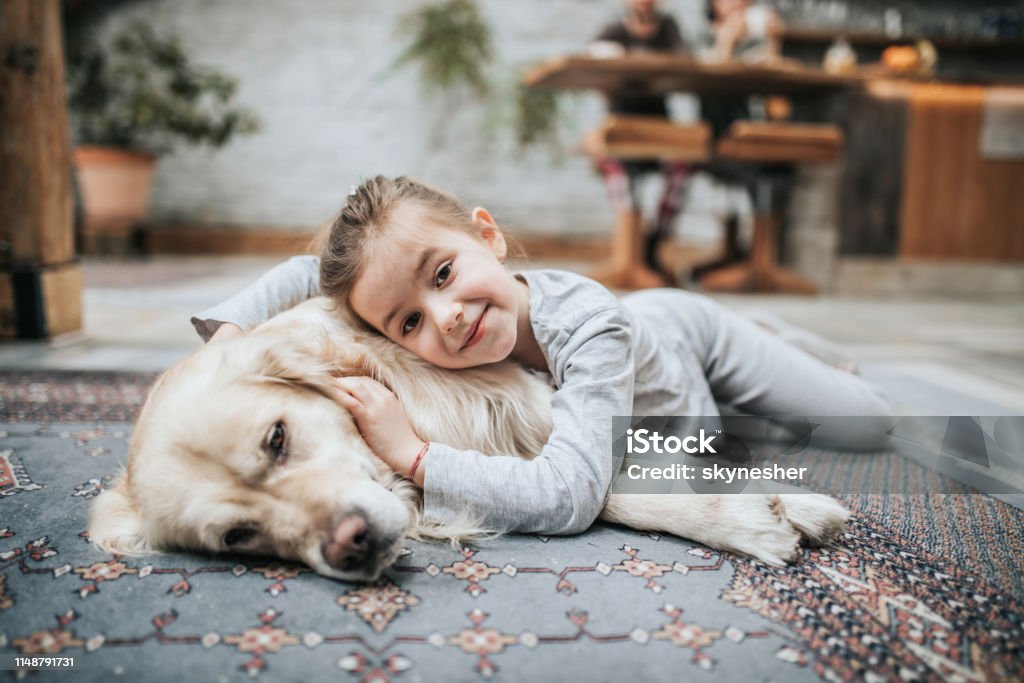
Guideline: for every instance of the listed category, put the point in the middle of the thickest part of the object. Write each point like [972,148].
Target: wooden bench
[648,137]
[767,145]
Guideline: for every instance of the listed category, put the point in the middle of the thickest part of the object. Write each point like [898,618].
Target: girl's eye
[410,323]
[442,275]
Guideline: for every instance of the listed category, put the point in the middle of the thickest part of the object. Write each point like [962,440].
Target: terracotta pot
[115,194]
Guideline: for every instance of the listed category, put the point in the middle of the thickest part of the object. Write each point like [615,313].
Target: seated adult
[644,28]
[738,30]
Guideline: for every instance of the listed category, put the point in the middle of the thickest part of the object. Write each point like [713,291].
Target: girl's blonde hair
[367,215]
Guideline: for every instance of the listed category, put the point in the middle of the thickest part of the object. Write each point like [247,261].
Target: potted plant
[132,100]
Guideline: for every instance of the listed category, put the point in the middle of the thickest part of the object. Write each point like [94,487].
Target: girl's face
[440,292]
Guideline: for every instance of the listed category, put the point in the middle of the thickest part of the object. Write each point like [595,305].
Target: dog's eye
[277,439]
[239,535]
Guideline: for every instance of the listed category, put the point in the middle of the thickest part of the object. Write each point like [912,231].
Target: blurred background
[254,119]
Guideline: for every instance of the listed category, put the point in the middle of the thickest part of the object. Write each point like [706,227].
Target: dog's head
[240,448]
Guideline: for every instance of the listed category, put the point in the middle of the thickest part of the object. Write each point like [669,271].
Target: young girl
[420,268]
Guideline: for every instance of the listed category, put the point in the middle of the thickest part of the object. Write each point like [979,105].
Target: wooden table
[662,74]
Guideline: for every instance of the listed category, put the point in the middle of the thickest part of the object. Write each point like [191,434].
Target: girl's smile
[477,331]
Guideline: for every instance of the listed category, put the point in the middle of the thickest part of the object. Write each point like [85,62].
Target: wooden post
[40,280]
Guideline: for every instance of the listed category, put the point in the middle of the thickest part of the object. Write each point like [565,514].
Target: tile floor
[936,355]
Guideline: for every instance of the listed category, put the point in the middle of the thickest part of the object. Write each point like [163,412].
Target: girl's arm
[282,287]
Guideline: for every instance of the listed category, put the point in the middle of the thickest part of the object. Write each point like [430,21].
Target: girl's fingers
[352,405]
[363,388]
[361,395]
[351,385]
[348,394]
[346,399]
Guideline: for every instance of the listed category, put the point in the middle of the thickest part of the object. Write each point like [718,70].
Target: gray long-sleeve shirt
[655,352]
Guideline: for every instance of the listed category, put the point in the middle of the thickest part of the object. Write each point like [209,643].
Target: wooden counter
[957,202]
[917,183]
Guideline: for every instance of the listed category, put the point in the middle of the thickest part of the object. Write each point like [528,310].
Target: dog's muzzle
[355,547]
[349,544]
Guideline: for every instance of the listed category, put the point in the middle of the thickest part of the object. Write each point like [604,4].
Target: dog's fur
[198,464]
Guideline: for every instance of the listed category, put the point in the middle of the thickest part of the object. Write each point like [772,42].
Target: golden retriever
[241,448]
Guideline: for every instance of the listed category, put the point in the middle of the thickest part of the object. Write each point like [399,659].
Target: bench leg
[625,268]
[760,274]
[731,252]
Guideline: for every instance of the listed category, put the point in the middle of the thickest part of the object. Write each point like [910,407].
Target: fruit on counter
[901,58]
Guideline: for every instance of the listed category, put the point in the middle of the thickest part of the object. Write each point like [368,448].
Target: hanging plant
[451,43]
[537,117]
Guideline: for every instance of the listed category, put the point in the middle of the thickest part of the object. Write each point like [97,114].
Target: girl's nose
[450,317]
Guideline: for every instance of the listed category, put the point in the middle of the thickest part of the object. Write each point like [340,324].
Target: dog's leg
[818,518]
[761,526]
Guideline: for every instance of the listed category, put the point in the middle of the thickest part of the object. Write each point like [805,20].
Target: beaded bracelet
[416,462]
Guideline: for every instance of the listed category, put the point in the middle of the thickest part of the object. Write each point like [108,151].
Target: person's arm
[728,35]
[277,290]
[613,32]
[565,487]
[674,38]
[775,33]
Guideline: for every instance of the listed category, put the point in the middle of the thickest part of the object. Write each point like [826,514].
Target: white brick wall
[318,73]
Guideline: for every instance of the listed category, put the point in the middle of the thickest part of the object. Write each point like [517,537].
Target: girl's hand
[382,423]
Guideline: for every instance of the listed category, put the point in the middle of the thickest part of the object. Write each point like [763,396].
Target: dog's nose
[347,547]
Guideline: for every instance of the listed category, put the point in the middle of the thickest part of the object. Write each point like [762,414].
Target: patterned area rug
[72,396]
[920,588]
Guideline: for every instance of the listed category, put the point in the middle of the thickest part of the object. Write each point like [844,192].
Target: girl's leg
[757,372]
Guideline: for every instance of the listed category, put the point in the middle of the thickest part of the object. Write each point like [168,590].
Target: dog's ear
[315,361]
[114,522]
[308,363]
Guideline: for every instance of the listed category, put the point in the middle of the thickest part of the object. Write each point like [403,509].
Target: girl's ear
[490,232]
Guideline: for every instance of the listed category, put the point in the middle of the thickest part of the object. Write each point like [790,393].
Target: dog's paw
[761,530]
[818,518]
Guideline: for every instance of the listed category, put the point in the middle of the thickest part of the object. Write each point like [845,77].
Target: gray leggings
[734,365]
